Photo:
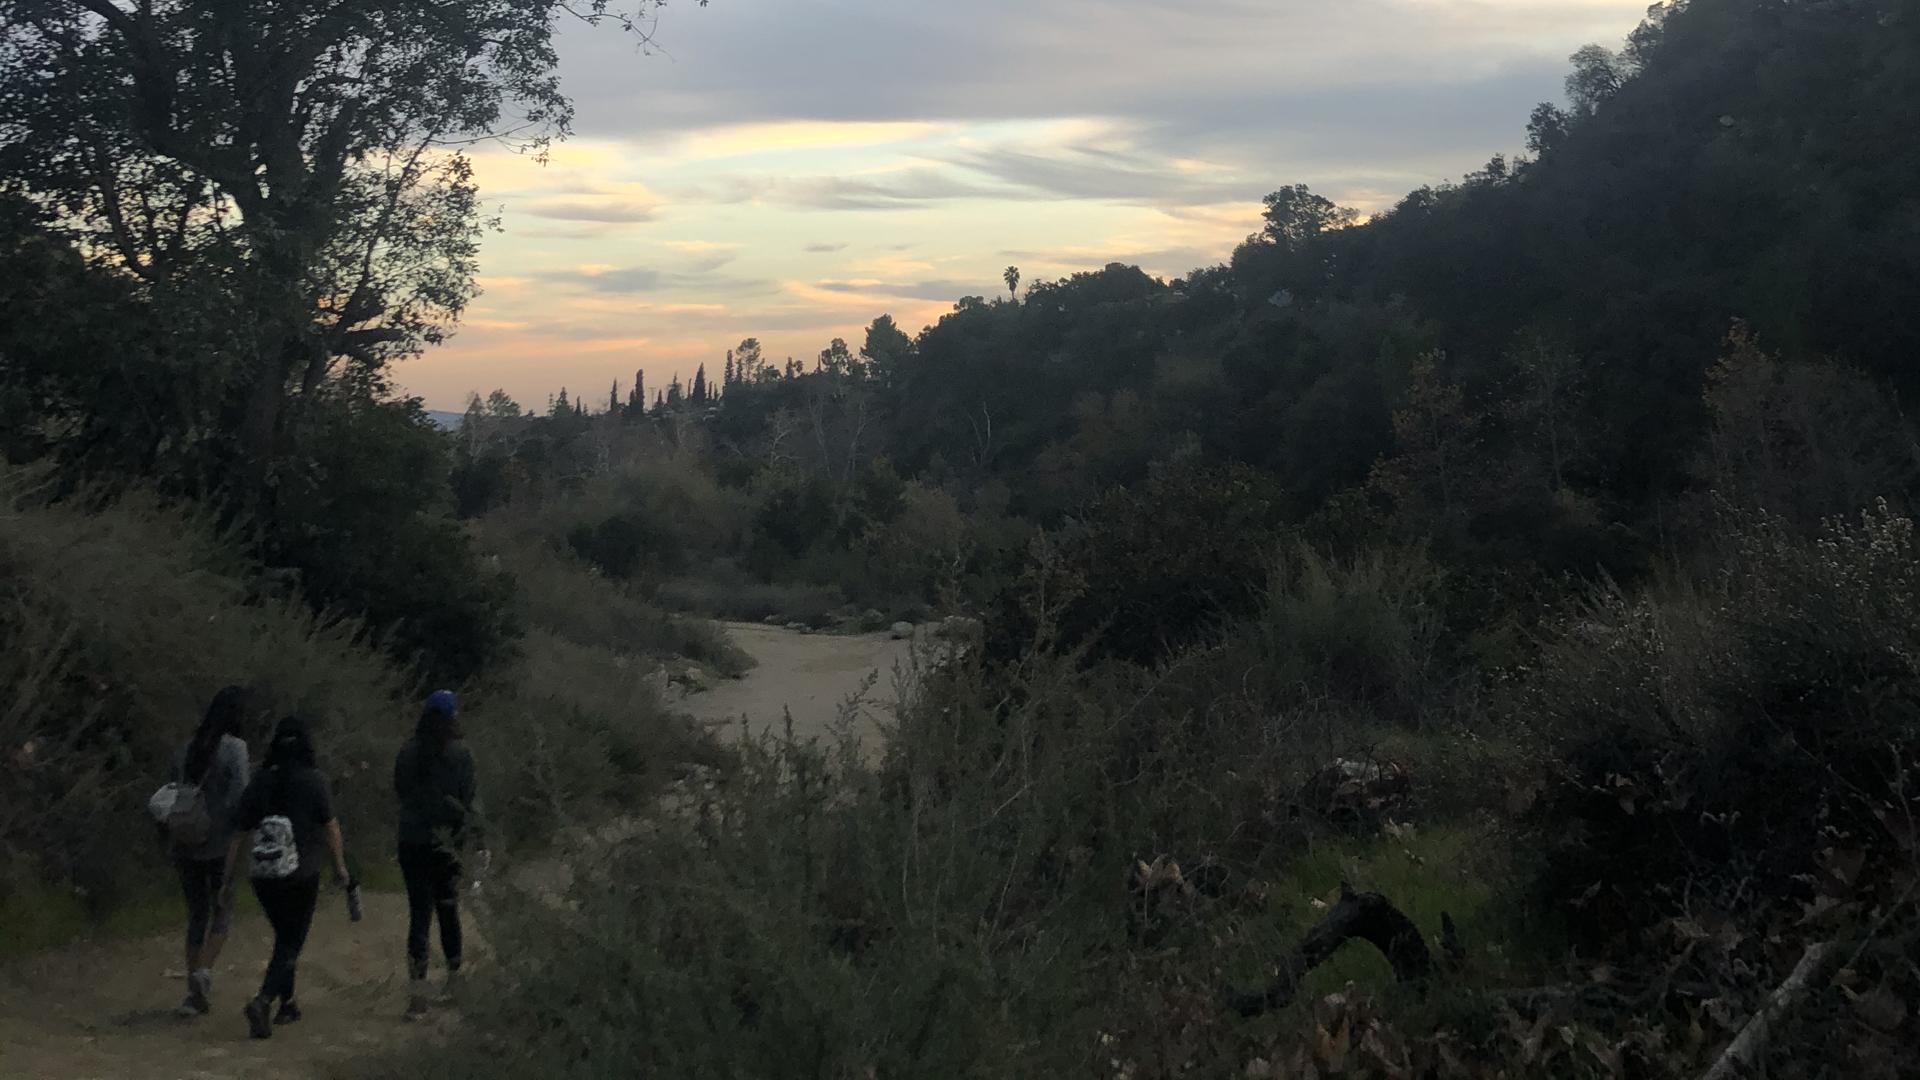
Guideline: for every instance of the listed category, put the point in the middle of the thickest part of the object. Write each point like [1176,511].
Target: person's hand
[486,860]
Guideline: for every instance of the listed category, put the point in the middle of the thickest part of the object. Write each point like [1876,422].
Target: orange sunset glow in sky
[790,171]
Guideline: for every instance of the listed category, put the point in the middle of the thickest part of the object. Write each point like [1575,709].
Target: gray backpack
[181,809]
[274,855]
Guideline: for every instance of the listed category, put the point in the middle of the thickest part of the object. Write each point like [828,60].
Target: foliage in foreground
[119,620]
[1731,771]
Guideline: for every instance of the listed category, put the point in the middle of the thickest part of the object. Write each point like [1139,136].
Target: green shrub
[724,591]
[116,628]
[362,513]
[1160,568]
[572,602]
[1734,731]
[962,909]
[119,621]
[1365,630]
[572,734]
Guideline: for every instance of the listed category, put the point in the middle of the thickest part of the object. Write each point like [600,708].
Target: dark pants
[289,904]
[200,881]
[433,884]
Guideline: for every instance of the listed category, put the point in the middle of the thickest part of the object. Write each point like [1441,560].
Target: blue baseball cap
[441,701]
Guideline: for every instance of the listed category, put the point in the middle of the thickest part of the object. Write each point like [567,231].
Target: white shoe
[199,993]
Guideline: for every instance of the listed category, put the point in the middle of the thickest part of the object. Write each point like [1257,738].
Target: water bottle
[353,902]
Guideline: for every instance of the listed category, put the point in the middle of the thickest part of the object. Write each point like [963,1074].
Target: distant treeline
[1702,277]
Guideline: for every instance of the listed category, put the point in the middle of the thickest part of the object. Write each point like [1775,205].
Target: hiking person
[286,815]
[433,776]
[210,767]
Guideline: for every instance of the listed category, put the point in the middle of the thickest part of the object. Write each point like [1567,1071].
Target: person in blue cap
[439,817]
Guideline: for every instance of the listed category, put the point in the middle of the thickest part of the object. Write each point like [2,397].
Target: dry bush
[571,601]
[1804,441]
[573,734]
[121,618]
[117,624]
[969,907]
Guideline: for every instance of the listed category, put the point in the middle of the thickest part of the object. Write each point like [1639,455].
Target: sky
[789,171]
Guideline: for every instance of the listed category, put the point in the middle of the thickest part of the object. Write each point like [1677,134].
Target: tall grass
[119,619]
[969,906]
[117,624]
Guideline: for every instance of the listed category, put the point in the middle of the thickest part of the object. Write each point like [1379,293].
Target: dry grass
[118,622]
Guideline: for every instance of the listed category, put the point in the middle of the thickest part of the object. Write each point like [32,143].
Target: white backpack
[274,854]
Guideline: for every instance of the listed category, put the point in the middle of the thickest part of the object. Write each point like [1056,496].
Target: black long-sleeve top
[439,804]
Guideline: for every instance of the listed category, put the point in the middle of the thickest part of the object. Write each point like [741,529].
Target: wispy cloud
[625,213]
[795,170]
[946,290]
[642,279]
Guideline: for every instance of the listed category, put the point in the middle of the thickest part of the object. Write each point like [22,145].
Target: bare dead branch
[1744,1051]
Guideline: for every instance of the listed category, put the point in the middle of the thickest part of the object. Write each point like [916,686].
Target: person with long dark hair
[213,761]
[287,814]
[439,814]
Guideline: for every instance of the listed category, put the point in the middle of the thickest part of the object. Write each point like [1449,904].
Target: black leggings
[433,884]
[289,904]
[200,881]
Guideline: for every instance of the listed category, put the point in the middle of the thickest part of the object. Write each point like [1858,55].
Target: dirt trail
[104,1009]
[811,675]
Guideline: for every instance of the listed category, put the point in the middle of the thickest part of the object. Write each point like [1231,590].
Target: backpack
[274,855]
[182,810]
[188,823]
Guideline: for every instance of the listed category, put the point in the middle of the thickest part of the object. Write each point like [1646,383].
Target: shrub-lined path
[104,1009]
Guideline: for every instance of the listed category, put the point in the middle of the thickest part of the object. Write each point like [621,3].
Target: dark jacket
[438,805]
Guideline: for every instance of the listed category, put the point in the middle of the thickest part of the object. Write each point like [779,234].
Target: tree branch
[1741,1054]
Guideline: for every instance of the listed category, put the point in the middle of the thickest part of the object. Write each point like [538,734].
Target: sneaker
[199,990]
[258,1024]
[289,1012]
[416,1006]
[456,983]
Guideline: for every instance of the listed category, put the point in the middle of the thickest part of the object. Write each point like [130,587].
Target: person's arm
[232,764]
[338,845]
[245,819]
[330,827]
[241,769]
[227,876]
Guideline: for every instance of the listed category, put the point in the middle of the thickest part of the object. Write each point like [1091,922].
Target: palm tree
[1012,278]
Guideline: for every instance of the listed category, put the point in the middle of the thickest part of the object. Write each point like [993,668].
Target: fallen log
[1743,1053]
[1367,916]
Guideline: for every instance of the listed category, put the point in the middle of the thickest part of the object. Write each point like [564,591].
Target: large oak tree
[288,175]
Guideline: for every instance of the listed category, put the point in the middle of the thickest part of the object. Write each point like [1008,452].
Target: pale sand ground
[813,676]
[103,1009]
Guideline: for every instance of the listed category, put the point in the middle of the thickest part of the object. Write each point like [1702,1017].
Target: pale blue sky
[789,171]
